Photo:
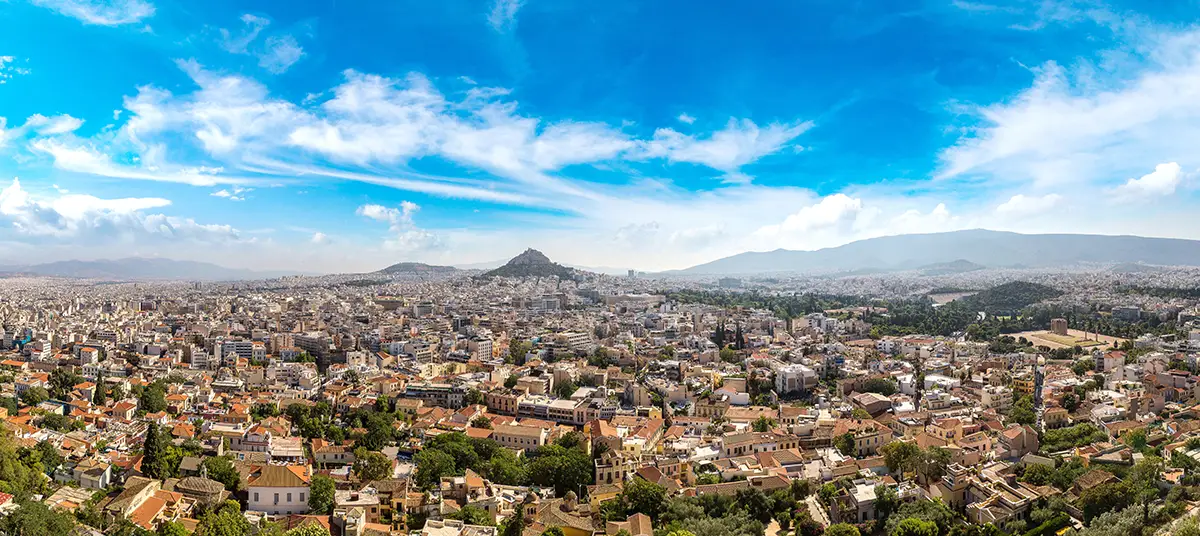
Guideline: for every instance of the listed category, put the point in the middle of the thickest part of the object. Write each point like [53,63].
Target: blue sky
[340,136]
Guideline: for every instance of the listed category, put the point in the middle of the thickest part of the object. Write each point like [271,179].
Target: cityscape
[630,268]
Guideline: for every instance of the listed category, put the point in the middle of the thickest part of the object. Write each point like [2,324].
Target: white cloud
[59,124]
[836,213]
[503,15]
[319,238]
[88,160]
[8,70]
[75,217]
[685,118]
[1162,181]
[282,51]
[1090,123]
[101,12]
[232,194]
[1022,205]
[405,235]
[237,43]
[739,143]
[276,54]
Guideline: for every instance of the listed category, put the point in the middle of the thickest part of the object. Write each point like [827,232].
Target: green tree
[842,529]
[100,396]
[915,527]
[845,443]
[644,496]
[221,469]
[511,381]
[118,392]
[565,388]
[515,524]
[473,397]
[153,464]
[63,382]
[1037,474]
[34,396]
[755,504]
[172,528]
[900,456]
[887,501]
[320,495]
[932,463]
[432,465]
[481,422]
[728,354]
[932,511]
[517,350]
[763,424]
[153,398]
[472,515]
[1070,401]
[225,521]
[564,469]
[35,518]
[1104,498]
[1022,411]
[553,531]
[370,466]
[50,457]
[311,529]
[881,386]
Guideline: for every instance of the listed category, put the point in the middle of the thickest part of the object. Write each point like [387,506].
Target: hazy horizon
[289,134]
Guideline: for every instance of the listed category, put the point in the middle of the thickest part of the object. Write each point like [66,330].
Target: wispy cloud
[503,15]
[686,119]
[276,54]
[232,194]
[101,12]
[281,53]
[1085,125]
[236,42]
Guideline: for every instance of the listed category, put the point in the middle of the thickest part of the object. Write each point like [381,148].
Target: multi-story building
[278,489]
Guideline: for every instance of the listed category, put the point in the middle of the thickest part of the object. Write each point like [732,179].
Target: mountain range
[137,268]
[961,250]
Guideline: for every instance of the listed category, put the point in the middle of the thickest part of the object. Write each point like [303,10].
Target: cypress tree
[152,461]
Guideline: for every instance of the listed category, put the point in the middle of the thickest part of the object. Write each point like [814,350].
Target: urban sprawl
[538,400]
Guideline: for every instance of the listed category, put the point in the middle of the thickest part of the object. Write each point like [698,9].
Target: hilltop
[532,263]
[417,268]
[1009,297]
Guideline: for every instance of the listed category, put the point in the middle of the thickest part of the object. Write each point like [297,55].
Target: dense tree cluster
[564,465]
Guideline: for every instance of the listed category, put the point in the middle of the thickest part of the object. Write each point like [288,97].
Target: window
[276,498]
[289,497]
[302,497]
[256,496]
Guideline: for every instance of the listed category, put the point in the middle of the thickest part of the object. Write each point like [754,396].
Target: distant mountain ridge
[994,249]
[137,268]
[532,263]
